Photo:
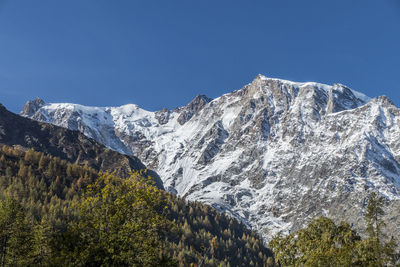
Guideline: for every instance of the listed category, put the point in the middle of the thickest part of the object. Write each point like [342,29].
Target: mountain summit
[274,154]
[32,106]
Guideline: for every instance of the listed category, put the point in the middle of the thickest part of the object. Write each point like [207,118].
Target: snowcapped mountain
[274,154]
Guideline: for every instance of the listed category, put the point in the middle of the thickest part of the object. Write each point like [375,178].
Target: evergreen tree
[373,250]
[15,235]
[373,217]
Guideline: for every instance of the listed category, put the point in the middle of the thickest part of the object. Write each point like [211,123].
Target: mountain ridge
[274,154]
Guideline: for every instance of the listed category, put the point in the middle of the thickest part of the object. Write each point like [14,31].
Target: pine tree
[22,171]
[373,217]
[42,243]
[42,162]
[373,250]
[15,235]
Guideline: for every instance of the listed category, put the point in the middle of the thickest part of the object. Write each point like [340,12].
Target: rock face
[63,143]
[274,154]
[187,112]
[31,107]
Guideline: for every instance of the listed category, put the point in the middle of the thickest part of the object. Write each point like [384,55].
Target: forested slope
[58,213]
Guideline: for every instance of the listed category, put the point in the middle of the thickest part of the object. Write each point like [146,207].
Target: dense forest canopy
[54,213]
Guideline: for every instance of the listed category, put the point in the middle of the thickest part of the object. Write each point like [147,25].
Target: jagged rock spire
[32,106]
[193,107]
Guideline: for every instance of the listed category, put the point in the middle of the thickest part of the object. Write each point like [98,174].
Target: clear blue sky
[162,53]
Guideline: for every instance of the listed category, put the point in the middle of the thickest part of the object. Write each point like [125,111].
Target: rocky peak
[32,106]
[341,98]
[162,116]
[385,101]
[278,93]
[332,98]
[192,108]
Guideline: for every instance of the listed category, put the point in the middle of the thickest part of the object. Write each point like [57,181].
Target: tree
[373,217]
[15,235]
[121,223]
[321,243]
[42,243]
[42,162]
[373,250]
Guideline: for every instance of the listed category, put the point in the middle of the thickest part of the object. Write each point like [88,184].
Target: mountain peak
[203,98]
[32,106]
[358,97]
[342,98]
[261,77]
[384,101]
[192,108]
